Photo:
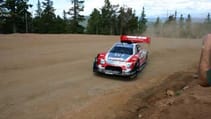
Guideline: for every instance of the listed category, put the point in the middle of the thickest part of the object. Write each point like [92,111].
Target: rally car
[125,58]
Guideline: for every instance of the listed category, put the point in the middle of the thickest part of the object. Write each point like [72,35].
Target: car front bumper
[100,69]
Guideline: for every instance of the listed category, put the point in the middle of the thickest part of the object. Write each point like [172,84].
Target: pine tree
[122,19]
[208,18]
[37,23]
[46,21]
[181,26]
[60,25]
[133,22]
[48,17]
[142,22]
[157,26]
[48,9]
[175,16]
[64,15]
[94,22]
[39,9]
[181,21]
[17,10]
[65,21]
[106,17]
[170,26]
[4,14]
[74,11]
[207,24]
[170,20]
[127,21]
[157,22]
[114,21]
[188,26]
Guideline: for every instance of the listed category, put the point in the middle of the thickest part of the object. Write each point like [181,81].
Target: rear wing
[135,39]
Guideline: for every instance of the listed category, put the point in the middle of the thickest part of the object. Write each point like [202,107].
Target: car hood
[117,56]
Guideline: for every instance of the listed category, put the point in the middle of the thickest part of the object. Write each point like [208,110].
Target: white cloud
[61,5]
[197,8]
[91,4]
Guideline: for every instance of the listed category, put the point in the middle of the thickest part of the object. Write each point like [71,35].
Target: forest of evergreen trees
[180,27]
[108,20]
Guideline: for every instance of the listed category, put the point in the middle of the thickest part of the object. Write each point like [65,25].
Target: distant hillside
[151,20]
[163,19]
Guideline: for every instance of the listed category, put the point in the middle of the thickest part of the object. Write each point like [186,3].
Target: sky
[153,8]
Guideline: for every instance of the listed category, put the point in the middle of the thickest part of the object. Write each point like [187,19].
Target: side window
[138,48]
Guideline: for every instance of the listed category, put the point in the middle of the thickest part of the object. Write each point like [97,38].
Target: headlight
[102,61]
[128,64]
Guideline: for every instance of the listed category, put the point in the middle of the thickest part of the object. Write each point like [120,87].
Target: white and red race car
[125,58]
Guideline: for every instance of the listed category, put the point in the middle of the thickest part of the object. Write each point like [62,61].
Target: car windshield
[122,50]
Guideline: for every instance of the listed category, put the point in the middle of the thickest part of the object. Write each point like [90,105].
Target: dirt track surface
[50,76]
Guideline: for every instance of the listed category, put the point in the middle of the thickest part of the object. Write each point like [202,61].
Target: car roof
[128,45]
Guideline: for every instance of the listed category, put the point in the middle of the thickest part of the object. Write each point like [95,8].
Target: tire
[95,65]
[131,77]
[146,58]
